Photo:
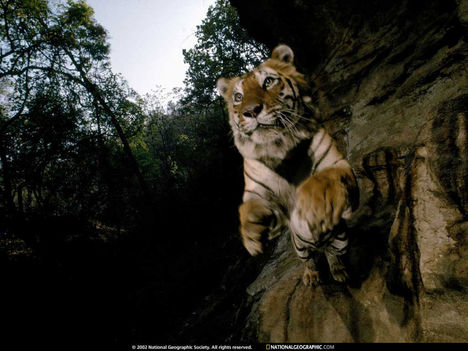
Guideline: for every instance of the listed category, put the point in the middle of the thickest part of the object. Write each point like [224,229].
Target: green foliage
[65,115]
[78,30]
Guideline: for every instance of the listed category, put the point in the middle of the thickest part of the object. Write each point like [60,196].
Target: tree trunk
[7,188]
[94,90]
[20,198]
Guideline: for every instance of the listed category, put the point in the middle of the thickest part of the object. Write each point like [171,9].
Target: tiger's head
[265,105]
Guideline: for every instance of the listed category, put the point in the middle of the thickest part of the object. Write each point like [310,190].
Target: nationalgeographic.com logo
[300,347]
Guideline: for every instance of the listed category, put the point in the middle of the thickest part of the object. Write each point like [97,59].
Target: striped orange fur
[296,180]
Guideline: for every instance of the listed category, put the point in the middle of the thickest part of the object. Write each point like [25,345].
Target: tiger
[296,179]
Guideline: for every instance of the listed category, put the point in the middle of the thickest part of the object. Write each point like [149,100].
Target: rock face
[390,79]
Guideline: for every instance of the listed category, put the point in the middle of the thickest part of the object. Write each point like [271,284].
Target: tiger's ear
[283,53]
[223,86]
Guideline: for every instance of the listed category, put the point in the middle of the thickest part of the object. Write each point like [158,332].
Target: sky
[147,38]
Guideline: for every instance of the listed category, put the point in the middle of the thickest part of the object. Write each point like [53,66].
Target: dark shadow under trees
[115,210]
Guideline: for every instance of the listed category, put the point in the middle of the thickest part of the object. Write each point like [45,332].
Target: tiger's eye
[268,82]
[237,97]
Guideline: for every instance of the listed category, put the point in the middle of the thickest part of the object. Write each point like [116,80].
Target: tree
[61,46]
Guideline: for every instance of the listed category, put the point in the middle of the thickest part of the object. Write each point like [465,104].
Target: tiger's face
[265,104]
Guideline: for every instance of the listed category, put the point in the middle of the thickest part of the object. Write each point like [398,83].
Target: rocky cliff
[390,79]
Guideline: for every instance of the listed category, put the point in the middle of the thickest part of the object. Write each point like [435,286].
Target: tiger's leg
[255,218]
[306,252]
[311,275]
[334,253]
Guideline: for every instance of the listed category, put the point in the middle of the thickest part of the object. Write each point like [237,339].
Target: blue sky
[147,38]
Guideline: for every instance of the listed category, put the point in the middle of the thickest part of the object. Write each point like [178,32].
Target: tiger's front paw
[337,267]
[255,219]
[322,198]
[310,277]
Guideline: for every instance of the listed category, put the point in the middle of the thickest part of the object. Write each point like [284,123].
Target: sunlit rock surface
[390,78]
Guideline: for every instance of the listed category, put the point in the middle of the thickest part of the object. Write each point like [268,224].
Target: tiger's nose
[253,111]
